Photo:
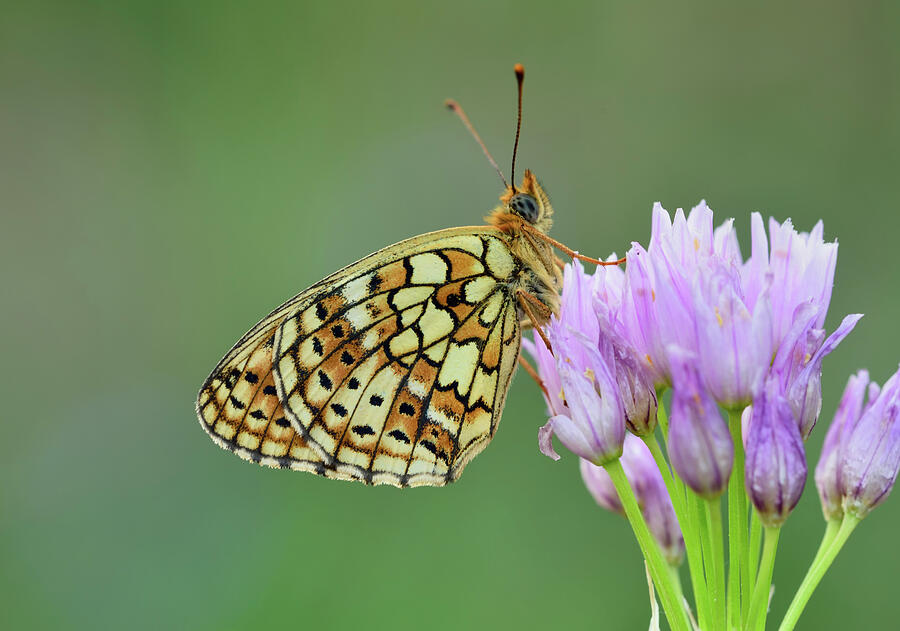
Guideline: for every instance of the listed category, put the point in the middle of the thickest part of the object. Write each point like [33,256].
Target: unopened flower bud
[870,458]
[849,410]
[775,469]
[804,389]
[700,445]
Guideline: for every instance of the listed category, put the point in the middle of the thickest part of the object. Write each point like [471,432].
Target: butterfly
[395,369]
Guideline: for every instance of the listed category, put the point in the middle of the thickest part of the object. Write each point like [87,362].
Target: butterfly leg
[561,264]
[533,374]
[526,301]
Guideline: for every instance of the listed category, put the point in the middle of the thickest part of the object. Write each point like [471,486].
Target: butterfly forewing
[393,370]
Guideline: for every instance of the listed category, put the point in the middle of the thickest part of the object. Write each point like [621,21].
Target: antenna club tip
[451,104]
[519,69]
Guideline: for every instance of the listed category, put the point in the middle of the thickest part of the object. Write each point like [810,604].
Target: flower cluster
[724,333]
[691,313]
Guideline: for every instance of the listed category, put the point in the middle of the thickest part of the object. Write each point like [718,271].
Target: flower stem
[669,594]
[737,523]
[752,561]
[686,519]
[662,418]
[832,543]
[832,527]
[759,605]
[675,489]
[714,560]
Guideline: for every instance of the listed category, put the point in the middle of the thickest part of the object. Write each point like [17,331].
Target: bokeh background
[171,171]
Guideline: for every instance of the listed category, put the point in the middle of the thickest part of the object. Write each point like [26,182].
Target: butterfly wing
[393,370]
[239,407]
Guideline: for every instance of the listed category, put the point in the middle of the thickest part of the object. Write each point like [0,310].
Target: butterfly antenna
[520,78]
[458,110]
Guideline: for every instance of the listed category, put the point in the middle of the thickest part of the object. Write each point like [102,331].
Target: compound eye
[525,206]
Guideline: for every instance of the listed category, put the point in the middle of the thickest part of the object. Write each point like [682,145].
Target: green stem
[686,519]
[824,559]
[675,491]
[714,560]
[737,522]
[832,527]
[759,605]
[752,561]
[662,418]
[659,569]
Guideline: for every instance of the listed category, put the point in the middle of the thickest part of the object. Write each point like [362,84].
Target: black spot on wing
[399,435]
[232,377]
[339,409]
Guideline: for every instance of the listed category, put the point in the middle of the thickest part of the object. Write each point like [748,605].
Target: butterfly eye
[525,206]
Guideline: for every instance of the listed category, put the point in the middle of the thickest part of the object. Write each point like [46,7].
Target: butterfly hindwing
[393,370]
[240,409]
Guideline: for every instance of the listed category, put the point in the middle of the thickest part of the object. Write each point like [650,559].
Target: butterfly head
[527,202]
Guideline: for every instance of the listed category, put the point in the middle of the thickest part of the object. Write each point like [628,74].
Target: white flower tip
[545,440]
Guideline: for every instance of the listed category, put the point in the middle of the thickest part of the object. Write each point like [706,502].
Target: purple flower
[639,308]
[690,288]
[800,268]
[700,445]
[665,279]
[546,368]
[734,343]
[828,469]
[632,373]
[593,423]
[589,306]
[775,469]
[870,452]
[637,393]
[576,314]
[650,490]
[799,362]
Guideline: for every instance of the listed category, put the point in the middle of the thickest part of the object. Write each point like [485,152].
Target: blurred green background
[171,171]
